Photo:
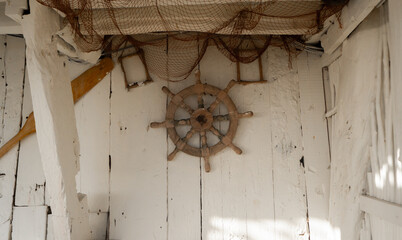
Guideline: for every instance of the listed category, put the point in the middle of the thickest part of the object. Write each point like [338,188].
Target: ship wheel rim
[202,89]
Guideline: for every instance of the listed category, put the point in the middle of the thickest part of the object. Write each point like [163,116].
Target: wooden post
[55,123]
[395,49]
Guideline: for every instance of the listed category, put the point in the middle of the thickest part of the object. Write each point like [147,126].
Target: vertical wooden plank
[29,223]
[3,88]
[223,196]
[92,116]
[315,143]
[49,230]
[254,138]
[395,46]
[14,77]
[237,195]
[138,203]
[31,180]
[184,203]
[287,149]
[98,225]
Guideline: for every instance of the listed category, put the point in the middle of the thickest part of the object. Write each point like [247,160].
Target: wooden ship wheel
[201,120]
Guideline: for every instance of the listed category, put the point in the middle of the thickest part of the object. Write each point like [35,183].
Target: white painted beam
[7,25]
[388,211]
[328,59]
[15,8]
[55,123]
[352,15]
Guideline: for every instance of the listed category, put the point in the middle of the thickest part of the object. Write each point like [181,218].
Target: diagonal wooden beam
[55,123]
[352,15]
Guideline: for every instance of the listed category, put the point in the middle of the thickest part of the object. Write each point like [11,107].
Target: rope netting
[174,34]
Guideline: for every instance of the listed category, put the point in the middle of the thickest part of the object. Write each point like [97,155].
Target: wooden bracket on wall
[140,54]
[244,82]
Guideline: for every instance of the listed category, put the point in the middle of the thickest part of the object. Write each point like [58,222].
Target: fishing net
[174,34]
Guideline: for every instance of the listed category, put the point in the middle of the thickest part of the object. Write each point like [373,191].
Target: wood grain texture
[315,143]
[352,15]
[391,212]
[138,198]
[93,119]
[287,149]
[259,194]
[351,137]
[55,122]
[87,80]
[80,86]
[184,204]
[12,78]
[237,194]
[395,48]
[30,189]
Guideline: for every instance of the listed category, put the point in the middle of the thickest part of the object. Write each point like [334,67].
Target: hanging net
[174,34]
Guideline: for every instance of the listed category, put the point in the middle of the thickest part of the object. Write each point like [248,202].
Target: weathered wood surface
[29,223]
[80,86]
[55,123]
[259,194]
[183,172]
[138,162]
[395,48]
[388,211]
[12,68]
[352,15]
[93,119]
[351,138]
[30,189]
[315,144]
[287,149]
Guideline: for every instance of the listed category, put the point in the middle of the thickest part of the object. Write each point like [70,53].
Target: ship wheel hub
[201,120]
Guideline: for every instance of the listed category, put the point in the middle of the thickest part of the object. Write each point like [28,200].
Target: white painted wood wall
[362,163]
[134,193]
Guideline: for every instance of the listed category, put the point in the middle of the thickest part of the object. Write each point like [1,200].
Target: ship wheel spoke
[216,132]
[200,98]
[180,144]
[181,104]
[205,150]
[213,105]
[182,122]
[186,107]
[225,140]
[226,117]
[221,118]
[171,123]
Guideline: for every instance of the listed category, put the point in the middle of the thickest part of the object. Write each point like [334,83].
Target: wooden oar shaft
[79,86]
[10,144]
[86,81]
